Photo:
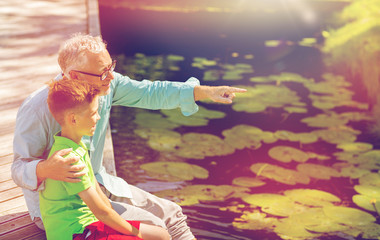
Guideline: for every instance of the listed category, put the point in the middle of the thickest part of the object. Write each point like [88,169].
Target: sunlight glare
[304,11]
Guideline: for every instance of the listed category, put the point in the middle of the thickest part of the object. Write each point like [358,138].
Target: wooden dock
[31,32]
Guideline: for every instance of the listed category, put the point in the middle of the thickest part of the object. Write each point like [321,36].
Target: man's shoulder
[36,100]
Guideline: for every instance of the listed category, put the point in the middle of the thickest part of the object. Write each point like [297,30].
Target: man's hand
[59,168]
[221,94]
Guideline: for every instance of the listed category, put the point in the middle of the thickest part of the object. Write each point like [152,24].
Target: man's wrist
[39,172]
[200,92]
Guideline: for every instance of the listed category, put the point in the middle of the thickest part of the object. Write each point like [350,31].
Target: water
[219,36]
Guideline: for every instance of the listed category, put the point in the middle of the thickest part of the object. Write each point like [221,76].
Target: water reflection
[293,103]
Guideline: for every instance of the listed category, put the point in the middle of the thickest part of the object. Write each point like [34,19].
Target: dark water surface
[219,35]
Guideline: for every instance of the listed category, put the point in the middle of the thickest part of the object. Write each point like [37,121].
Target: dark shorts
[100,231]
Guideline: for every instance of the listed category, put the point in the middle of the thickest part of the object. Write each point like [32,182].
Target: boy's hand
[59,168]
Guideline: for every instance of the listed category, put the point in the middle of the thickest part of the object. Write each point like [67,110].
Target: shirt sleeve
[30,140]
[75,188]
[155,95]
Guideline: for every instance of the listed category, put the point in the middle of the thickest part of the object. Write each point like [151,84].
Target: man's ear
[73,75]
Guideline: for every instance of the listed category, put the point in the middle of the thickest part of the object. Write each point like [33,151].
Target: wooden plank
[5,172]
[11,194]
[14,205]
[33,35]
[9,217]
[14,223]
[30,231]
[40,235]
[6,140]
[7,185]
[6,159]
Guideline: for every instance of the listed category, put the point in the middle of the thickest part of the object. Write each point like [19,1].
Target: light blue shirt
[35,129]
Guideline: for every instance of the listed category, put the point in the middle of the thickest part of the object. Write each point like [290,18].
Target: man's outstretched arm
[221,94]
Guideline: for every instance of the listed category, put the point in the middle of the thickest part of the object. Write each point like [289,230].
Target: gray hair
[73,52]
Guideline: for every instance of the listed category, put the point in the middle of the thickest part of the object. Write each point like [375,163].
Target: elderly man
[85,58]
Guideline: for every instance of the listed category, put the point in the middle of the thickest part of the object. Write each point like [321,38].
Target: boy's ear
[71,119]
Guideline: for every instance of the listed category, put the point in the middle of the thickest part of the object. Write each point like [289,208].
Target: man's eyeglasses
[104,75]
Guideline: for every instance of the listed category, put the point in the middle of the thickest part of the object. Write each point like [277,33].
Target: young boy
[81,210]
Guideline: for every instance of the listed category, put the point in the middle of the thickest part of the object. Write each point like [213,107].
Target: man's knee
[130,212]
[175,209]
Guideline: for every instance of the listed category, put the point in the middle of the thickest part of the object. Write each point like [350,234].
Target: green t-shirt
[63,211]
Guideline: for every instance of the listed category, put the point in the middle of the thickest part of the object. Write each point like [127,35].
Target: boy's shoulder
[77,152]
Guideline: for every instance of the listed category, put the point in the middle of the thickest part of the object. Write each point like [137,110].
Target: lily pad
[370,156]
[295,109]
[308,42]
[353,172]
[357,116]
[296,137]
[202,63]
[168,141]
[372,164]
[172,57]
[207,113]
[287,229]
[317,171]
[241,143]
[346,156]
[212,75]
[372,179]
[287,154]
[155,133]
[179,170]
[254,221]
[370,231]
[274,204]
[273,43]
[245,136]
[311,216]
[198,119]
[198,146]
[325,120]
[248,182]
[153,120]
[179,119]
[194,194]
[368,203]
[355,147]
[327,226]
[318,156]
[279,174]
[263,96]
[312,197]
[233,72]
[283,77]
[348,216]
[368,190]
[336,135]
[249,106]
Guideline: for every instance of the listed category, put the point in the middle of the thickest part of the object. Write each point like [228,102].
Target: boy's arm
[102,195]
[106,214]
